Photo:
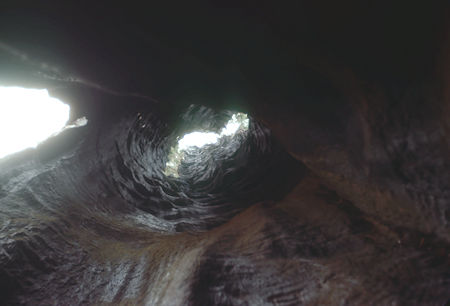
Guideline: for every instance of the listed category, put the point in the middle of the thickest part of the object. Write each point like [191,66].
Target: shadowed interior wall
[337,194]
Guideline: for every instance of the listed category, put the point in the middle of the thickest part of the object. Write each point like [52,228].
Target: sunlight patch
[238,122]
[28,117]
[197,139]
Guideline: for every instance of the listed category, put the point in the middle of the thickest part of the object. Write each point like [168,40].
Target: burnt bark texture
[338,193]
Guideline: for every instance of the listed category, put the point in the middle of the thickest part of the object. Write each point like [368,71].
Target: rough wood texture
[339,194]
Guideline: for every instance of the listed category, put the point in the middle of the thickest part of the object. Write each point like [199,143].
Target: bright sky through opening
[28,117]
[199,139]
[238,121]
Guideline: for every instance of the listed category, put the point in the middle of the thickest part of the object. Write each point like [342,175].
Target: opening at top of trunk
[194,141]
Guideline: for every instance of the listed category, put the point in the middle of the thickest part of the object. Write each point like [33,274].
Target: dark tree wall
[339,193]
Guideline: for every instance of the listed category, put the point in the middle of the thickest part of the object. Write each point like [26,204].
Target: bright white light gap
[238,121]
[28,117]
